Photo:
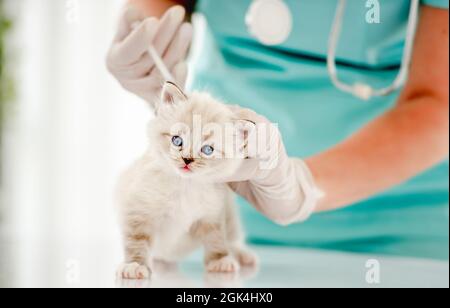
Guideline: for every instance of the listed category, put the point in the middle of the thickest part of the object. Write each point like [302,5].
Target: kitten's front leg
[218,256]
[137,247]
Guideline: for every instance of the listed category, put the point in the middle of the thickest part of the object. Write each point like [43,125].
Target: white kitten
[170,203]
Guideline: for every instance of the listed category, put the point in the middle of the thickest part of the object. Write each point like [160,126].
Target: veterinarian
[373,136]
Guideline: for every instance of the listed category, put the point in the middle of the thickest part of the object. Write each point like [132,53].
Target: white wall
[70,133]
[72,128]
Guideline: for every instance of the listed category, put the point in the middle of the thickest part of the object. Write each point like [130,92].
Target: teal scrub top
[290,85]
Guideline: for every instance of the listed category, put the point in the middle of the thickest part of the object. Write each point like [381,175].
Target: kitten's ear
[171,94]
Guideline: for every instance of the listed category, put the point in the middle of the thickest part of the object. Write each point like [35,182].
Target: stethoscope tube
[278,11]
[360,90]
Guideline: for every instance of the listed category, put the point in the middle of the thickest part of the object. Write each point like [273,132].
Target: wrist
[313,194]
[324,203]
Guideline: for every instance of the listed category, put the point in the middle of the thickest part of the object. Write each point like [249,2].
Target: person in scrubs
[382,164]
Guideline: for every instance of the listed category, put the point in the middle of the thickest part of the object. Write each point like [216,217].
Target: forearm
[395,147]
[405,141]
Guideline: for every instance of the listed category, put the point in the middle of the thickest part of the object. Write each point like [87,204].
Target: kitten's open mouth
[186,169]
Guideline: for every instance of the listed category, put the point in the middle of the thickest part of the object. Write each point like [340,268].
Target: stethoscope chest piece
[270,21]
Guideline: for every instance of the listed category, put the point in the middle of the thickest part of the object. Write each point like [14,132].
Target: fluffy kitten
[171,201]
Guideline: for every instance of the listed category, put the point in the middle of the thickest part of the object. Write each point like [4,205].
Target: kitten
[171,201]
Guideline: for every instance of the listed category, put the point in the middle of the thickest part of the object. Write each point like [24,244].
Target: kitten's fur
[167,212]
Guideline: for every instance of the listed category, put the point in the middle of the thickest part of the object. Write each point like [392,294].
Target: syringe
[160,65]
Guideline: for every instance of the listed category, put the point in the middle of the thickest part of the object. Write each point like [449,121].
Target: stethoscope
[278,30]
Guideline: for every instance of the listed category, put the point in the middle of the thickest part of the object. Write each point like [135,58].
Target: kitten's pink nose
[188,161]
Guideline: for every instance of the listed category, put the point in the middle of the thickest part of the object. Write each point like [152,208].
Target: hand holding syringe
[139,67]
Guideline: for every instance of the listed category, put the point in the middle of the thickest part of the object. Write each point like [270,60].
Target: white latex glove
[128,59]
[279,187]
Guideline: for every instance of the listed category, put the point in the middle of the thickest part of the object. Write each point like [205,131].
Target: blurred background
[66,132]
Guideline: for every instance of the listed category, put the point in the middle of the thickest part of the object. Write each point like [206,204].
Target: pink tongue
[186,168]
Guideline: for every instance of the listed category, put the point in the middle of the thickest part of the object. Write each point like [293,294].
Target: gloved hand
[129,61]
[279,187]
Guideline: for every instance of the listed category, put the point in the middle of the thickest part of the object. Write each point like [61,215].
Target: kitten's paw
[223,265]
[133,271]
[247,258]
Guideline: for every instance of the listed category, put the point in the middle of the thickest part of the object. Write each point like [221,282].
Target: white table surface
[89,263]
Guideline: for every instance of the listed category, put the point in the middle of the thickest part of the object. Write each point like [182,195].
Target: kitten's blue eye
[207,150]
[177,141]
